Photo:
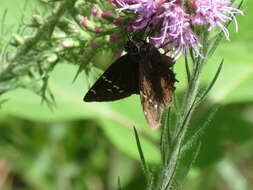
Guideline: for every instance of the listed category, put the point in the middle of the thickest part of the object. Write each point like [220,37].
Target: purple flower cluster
[215,13]
[169,23]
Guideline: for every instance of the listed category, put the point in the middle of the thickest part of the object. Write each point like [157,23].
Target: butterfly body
[143,70]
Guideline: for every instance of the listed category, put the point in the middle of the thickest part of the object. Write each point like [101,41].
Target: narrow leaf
[199,133]
[184,122]
[187,68]
[165,139]
[194,158]
[144,165]
[3,19]
[119,184]
[204,94]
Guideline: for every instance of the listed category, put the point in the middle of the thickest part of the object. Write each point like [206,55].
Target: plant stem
[182,127]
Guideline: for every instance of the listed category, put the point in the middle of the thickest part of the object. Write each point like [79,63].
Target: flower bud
[93,45]
[106,14]
[113,38]
[111,1]
[98,29]
[17,40]
[118,53]
[69,43]
[52,58]
[37,19]
[117,21]
[84,22]
[95,11]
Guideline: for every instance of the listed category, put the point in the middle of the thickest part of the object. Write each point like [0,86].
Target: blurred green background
[83,146]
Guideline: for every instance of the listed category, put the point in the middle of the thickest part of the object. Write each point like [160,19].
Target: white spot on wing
[106,80]
[115,86]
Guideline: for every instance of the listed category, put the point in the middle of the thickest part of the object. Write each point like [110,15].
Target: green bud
[17,40]
[52,58]
[59,35]
[70,43]
[38,19]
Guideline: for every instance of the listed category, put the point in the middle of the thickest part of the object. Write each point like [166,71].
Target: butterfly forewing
[118,81]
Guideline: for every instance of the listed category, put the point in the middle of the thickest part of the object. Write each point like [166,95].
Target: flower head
[176,34]
[214,12]
[170,25]
[169,17]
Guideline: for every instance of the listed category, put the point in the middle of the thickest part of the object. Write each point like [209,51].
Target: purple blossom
[174,32]
[215,13]
[169,25]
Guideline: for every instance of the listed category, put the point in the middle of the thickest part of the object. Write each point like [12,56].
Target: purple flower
[176,34]
[146,9]
[215,13]
[168,18]
[169,25]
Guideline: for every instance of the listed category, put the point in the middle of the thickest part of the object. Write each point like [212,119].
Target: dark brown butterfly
[143,70]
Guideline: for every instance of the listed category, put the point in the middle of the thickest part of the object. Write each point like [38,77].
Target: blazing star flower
[168,18]
[170,25]
[215,13]
[176,33]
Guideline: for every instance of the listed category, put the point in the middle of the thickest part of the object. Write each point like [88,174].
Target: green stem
[182,127]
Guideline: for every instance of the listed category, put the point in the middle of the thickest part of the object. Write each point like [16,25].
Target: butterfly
[144,71]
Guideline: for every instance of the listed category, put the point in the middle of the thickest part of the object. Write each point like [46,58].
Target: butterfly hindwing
[118,81]
[156,92]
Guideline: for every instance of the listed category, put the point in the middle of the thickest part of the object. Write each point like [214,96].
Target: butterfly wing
[156,92]
[118,81]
